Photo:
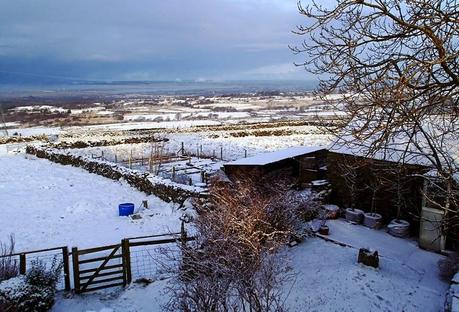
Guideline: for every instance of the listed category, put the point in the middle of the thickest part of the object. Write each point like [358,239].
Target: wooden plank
[102,274]
[76,268]
[150,236]
[159,241]
[103,287]
[97,259]
[111,279]
[31,252]
[108,267]
[65,259]
[155,242]
[97,249]
[100,268]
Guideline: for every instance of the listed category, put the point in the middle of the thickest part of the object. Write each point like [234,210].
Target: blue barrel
[126,209]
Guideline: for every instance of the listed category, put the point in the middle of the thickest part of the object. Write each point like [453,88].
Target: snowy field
[327,278]
[49,205]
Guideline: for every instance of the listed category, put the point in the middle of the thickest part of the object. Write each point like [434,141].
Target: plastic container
[126,209]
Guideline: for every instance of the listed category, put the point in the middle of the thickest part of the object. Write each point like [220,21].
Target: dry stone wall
[165,189]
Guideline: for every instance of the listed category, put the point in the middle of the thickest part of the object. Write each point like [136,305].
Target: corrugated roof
[272,157]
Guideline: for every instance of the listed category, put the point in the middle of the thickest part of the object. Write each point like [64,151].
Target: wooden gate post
[65,259]
[126,261]
[76,270]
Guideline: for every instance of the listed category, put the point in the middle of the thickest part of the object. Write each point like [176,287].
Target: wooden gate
[101,267]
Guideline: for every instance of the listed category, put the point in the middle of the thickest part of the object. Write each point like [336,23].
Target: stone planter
[372,220]
[331,211]
[354,215]
[399,228]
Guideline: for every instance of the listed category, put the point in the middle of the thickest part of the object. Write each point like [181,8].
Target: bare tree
[232,265]
[396,65]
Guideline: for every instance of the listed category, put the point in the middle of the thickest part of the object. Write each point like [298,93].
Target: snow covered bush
[33,292]
[8,264]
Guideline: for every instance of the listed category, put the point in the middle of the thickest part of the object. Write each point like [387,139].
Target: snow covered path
[330,279]
[47,205]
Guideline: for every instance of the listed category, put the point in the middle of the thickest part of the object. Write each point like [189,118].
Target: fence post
[22,263]
[126,254]
[183,149]
[65,258]
[183,235]
[221,152]
[76,270]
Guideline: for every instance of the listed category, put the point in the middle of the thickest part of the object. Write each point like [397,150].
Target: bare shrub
[232,265]
[8,264]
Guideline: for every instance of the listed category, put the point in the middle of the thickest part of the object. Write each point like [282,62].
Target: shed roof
[273,157]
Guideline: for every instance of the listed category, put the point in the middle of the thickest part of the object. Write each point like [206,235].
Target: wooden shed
[303,163]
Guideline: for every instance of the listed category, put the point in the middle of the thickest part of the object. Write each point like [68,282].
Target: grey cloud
[155,38]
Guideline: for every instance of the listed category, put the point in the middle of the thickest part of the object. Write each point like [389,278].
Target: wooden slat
[108,267]
[154,242]
[102,274]
[103,287]
[31,252]
[96,249]
[98,259]
[159,241]
[151,236]
[111,279]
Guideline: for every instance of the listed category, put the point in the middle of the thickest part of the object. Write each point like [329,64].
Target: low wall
[84,144]
[165,189]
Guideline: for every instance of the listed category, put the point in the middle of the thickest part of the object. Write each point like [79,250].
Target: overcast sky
[150,39]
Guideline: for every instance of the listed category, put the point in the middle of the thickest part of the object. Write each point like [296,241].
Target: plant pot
[331,211]
[324,230]
[372,220]
[354,215]
[399,228]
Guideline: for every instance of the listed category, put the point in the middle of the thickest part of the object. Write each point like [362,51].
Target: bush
[33,292]
[41,277]
[8,265]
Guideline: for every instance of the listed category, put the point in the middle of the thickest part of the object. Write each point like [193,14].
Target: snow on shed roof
[392,153]
[272,157]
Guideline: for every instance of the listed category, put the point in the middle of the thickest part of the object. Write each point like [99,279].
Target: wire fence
[47,259]
[153,262]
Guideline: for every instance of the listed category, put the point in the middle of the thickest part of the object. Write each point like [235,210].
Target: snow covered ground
[49,205]
[328,278]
